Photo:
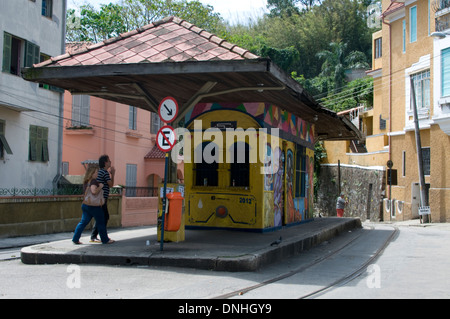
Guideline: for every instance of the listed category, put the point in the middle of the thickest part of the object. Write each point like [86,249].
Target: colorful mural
[278,190]
[266,113]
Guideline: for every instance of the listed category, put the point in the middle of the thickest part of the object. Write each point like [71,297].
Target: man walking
[106,177]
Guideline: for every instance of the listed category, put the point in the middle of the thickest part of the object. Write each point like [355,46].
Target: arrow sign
[165,139]
[168,109]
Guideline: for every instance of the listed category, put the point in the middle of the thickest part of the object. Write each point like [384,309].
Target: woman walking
[91,185]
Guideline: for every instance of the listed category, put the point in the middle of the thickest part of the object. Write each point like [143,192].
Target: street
[414,264]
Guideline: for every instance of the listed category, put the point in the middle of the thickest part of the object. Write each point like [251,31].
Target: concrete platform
[219,250]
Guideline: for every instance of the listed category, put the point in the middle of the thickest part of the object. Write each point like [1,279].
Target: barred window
[422,89]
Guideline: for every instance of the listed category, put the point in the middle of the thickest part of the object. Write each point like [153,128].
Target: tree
[95,26]
[336,62]
[111,20]
[280,8]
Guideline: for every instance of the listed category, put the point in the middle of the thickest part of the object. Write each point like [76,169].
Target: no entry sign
[165,139]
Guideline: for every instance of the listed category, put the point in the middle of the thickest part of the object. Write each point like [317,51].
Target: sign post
[165,140]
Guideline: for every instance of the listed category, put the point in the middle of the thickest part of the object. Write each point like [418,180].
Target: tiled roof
[155,153]
[393,7]
[168,40]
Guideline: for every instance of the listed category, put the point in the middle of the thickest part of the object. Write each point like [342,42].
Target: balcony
[442,15]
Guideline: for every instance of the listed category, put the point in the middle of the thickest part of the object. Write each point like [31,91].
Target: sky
[231,10]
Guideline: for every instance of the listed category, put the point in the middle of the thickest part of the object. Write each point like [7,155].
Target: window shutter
[39,143]
[32,55]
[445,72]
[76,110]
[413,26]
[3,142]
[45,156]
[32,143]
[7,44]
[85,109]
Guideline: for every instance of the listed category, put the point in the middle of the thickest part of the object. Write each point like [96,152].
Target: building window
[131,180]
[47,8]
[422,89]
[445,72]
[404,164]
[38,144]
[80,110]
[404,36]
[132,118]
[426,161]
[378,48]
[413,24]
[4,146]
[65,168]
[155,124]
[16,50]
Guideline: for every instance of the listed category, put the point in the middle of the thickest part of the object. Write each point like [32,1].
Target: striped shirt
[103,177]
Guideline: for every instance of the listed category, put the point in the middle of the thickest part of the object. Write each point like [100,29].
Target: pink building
[93,126]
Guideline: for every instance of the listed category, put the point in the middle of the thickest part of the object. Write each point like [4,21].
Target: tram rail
[341,281]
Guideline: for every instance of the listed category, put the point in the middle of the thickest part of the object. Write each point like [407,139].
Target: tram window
[206,172]
[240,167]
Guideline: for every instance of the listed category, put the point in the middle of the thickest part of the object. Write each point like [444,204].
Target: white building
[30,114]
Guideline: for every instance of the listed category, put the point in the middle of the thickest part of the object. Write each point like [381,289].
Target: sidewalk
[220,250]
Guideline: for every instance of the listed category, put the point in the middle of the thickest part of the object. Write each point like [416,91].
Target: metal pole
[423,195]
[339,177]
[161,247]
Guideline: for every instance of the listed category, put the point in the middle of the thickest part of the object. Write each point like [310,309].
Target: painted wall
[109,133]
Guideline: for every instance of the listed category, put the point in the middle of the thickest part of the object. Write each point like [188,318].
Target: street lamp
[440,35]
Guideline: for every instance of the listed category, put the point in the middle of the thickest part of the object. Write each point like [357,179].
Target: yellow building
[407,48]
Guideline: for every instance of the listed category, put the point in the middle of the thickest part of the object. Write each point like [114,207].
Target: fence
[141,191]
[78,190]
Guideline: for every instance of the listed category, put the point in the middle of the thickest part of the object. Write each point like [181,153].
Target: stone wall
[363,188]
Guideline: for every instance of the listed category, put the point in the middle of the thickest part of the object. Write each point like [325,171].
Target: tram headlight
[221,211]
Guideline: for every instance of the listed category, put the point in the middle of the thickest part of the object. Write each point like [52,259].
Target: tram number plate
[245,200]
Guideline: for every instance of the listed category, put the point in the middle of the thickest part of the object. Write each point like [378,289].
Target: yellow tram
[248,166]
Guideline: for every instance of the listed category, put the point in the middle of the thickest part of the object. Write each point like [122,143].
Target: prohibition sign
[165,139]
[168,109]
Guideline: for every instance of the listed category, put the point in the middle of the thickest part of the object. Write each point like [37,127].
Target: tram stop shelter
[172,57]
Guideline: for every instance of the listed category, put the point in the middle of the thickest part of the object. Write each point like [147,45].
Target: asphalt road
[413,265]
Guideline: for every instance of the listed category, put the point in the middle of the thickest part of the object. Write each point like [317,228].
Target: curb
[244,263]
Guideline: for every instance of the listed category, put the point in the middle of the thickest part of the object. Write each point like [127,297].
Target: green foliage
[111,20]
[319,153]
[359,91]
[316,41]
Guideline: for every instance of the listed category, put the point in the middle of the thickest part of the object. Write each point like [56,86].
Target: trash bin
[172,220]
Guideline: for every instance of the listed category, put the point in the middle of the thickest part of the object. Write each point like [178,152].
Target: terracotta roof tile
[155,153]
[170,39]
[393,7]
